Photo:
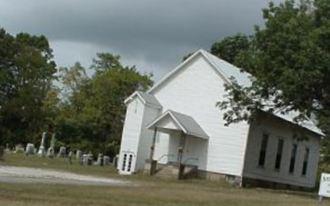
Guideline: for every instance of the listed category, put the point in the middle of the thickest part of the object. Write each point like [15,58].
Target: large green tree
[93,115]
[26,74]
[231,47]
[290,59]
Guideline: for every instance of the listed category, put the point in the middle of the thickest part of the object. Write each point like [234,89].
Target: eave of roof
[145,98]
[186,123]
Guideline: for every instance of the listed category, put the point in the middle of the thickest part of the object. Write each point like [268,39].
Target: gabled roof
[226,71]
[185,123]
[145,98]
[229,70]
[245,79]
[307,124]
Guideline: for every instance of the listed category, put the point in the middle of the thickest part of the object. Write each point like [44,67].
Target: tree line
[85,112]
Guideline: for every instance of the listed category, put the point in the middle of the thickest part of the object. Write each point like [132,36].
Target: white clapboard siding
[131,130]
[194,91]
[146,135]
[136,138]
[277,129]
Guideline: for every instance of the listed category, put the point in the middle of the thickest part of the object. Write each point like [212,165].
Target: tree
[93,116]
[72,78]
[290,60]
[26,74]
[230,47]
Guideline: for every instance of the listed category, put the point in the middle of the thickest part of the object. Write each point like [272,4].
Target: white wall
[195,151]
[131,130]
[194,91]
[280,129]
[146,135]
[136,138]
[163,152]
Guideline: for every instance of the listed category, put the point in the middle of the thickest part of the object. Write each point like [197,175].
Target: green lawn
[151,191]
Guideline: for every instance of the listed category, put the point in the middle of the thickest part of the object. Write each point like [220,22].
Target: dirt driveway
[11,174]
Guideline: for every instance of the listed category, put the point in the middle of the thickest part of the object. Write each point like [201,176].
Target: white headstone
[99,161]
[70,155]
[19,148]
[62,152]
[87,159]
[115,161]
[90,158]
[50,152]
[42,149]
[29,150]
[324,190]
[78,154]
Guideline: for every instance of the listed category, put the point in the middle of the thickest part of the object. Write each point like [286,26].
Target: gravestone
[78,154]
[42,149]
[115,161]
[62,152]
[7,150]
[81,160]
[29,150]
[70,157]
[87,159]
[19,148]
[51,149]
[90,158]
[50,152]
[106,160]
[53,141]
[99,161]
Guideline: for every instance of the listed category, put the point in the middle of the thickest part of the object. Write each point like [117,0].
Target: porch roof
[171,120]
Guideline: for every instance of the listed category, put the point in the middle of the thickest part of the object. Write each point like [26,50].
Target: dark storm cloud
[153,34]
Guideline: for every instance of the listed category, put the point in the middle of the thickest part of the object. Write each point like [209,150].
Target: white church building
[177,123]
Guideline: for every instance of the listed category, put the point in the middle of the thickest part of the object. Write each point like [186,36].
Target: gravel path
[11,174]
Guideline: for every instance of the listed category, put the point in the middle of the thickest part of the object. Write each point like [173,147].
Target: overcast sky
[154,35]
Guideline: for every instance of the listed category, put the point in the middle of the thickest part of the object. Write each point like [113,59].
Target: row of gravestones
[31,150]
[87,159]
[84,159]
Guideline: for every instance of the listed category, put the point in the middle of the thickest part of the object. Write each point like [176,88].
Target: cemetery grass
[150,190]
[61,164]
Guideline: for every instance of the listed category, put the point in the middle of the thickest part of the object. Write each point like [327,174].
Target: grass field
[150,190]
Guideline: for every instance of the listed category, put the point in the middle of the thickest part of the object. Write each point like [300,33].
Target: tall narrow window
[293,158]
[305,164]
[124,163]
[262,154]
[278,160]
[129,163]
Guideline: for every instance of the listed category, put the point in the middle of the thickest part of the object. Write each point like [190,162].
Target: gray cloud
[152,34]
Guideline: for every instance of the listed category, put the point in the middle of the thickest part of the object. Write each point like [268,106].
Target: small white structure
[42,148]
[29,150]
[324,190]
[177,121]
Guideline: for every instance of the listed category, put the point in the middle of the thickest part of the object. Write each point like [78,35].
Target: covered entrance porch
[187,143]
